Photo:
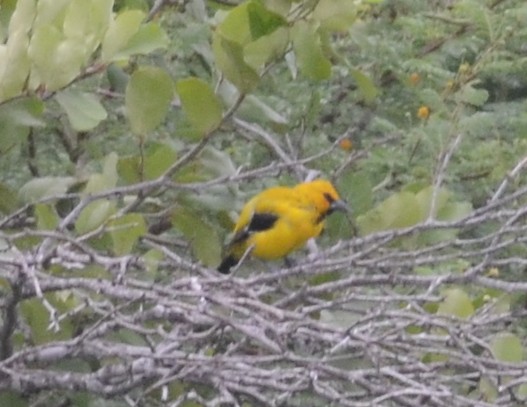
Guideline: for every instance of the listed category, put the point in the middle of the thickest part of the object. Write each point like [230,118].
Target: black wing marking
[262,221]
[259,222]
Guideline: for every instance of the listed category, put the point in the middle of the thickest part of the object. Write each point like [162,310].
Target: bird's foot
[289,262]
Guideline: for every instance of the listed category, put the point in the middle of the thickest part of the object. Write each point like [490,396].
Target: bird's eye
[329,198]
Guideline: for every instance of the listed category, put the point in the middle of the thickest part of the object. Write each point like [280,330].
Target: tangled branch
[365,338]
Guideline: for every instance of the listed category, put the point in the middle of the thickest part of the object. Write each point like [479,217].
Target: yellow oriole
[280,220]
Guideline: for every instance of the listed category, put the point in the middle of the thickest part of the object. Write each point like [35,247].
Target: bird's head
[323,195]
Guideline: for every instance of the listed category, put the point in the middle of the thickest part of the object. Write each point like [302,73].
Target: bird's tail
[227,263]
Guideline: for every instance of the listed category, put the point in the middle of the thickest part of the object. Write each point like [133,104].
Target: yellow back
[300,211]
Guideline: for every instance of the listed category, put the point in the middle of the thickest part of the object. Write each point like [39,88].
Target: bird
[280,220]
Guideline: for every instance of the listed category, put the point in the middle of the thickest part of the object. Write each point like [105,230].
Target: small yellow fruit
[346,144]
[423,112]
[415,78]
[464,68]
[493,272]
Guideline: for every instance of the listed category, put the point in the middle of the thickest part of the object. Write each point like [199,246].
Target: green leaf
[501,304]
[477,123]
[148,38]
[83,109]
[432,99]
[398,211]
[202,237]
[444,209]
[87,22]
[339,319]
[424,198]
[478,16]
[201,105]
[230,60]
[47,218]
[125,231]
[51,12]
[488,389]
[456,303]
[473,96]
[77,365]
[255,110]
[365,84]
[8,199]
[129,169]
[100,17]
[235,27]
[323,278]
[98,183]
[248,22]
[335,15]
[37,317]
[106,180]
[117,78]
[262,21]
[143,5]
[12,399]
[454,211]
[310,58]
[14,65]
[356,188]
[16,118]
[24,112]
[218,198]
[40,188]
[216,163]
[148,96]
[56,60]
[119,33]
[267,48]
[435,358]
[22,17]
[152,259]
[449,211]
[11,134]
[157,159]
[507,347]
[127,336]
[94,215]
[77,24]
[521,392]
[95,271]
[281,7]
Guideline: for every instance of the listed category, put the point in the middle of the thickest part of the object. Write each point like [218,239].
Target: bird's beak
[339,205]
